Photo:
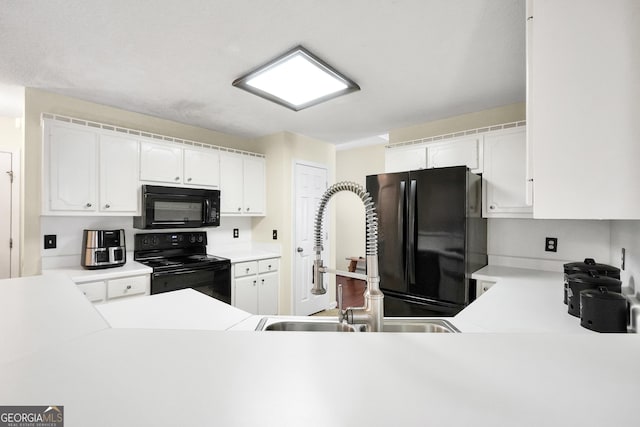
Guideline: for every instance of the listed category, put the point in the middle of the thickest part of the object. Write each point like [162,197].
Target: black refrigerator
[431,237]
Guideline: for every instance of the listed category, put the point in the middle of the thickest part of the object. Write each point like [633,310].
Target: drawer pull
[128,287]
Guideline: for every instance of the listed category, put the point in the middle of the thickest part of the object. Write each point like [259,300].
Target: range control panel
[148,241]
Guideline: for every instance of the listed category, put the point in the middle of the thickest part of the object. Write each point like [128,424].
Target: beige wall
[494,116]
[354,165]
[38,102]
[357,163]
[282,150]
[10,133]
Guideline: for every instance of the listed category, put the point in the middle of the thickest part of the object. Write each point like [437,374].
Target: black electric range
[179,261]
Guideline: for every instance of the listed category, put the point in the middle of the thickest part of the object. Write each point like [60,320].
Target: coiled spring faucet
[372,313]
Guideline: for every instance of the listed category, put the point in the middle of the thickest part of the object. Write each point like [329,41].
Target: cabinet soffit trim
[137,132]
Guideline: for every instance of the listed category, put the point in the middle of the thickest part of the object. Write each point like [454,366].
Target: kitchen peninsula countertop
[129,377]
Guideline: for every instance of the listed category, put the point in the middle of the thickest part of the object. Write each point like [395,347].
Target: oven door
[214,282]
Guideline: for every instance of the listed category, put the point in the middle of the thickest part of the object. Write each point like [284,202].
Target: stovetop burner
[174,251]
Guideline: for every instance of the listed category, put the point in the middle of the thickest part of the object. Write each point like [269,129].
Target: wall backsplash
[520,242]
[626,234]
[69,235]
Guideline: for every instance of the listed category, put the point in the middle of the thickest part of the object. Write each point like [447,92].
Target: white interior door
[310,183]
[6,174]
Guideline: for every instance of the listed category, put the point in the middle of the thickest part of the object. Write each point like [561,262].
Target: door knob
[300,250]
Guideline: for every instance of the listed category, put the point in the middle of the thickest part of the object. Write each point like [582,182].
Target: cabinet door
[118,174]
[231,183]
[505,175]
[456,152]
[202,167]
[585,104]
[254,185]
[268,293]
[72,161]
[161,163]
[246,294]
[405,159]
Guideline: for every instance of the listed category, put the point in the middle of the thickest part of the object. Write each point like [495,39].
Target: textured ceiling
[415,60]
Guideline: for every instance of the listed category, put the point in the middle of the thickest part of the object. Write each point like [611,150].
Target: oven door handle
[173,273]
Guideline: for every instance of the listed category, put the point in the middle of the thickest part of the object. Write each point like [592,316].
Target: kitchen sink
[308,326]
[391,324]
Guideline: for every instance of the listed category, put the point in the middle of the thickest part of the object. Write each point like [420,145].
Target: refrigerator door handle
[411,228]
[402,218]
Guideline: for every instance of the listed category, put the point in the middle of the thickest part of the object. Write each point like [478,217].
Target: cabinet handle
[269,266]
[263,281]
[492,207]
[247,209]
[88,205]
[177,178]
[107,206]
[254,283]
[128,287]
[247,269]
[239,209]
[188,179]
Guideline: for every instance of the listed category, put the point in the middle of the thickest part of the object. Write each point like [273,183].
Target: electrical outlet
[551,244]
[275,234]
[50,241]
[236,233]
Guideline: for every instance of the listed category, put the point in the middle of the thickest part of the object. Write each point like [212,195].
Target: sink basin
[392,324]
[418,325]
[308,326]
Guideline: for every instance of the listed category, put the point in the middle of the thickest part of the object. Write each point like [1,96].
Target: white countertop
[169,377]
[81,275]
[183,309]
[244,254]
[522,300]
[41,312]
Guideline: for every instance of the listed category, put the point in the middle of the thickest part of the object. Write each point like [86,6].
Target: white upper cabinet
[171,164]
[504,189]
[405,158]
[70,167]
[466,151]
[201,167]
[231,183]
[118,174]
[160,163]
[88,172]
[584,106]
[242,184]
[254,185]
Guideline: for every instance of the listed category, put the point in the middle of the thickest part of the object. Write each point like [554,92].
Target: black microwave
[178,207]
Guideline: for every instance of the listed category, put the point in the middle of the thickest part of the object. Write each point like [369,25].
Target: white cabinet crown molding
[455,135]
[142,134]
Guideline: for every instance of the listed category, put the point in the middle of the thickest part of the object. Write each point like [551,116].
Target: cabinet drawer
[267,265]
[95,291]
[127,286]
[246,268]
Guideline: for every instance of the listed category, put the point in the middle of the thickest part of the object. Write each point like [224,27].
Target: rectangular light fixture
[297,80]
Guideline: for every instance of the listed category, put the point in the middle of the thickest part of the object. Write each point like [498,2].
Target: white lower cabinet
[96,292]
[102,291]
[255,286]
[483,286]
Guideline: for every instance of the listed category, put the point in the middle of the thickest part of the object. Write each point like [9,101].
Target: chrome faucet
[372,313]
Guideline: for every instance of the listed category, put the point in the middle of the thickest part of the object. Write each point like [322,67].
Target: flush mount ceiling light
[297,80]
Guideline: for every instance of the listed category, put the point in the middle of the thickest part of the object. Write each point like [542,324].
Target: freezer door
[437,213]
[389,195]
